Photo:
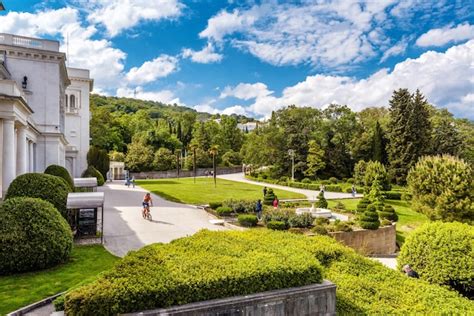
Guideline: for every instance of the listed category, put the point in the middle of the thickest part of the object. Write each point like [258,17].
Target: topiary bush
[306,180]
[388,213]
[34,235]
[92,172]
[369,219]
[247,220]
[43,186]
[269,197]
[223,211]
[442,188]
[333,180]
[442,253]
[374,170]
[276,225]
[362,205]
[61,172]
[322,203]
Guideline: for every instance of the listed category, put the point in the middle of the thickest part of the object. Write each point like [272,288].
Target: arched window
[72,103]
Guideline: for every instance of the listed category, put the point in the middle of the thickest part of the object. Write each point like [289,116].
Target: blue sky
[252,57]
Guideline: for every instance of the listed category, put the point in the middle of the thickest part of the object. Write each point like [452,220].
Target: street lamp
[291,152]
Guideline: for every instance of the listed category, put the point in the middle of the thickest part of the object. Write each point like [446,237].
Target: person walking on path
[133,182]
[258,209]
[275,203]
[353,190]
[264,191]
[410,272]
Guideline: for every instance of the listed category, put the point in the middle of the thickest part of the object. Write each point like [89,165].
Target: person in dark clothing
[258,209]
[264,191]
[410,272]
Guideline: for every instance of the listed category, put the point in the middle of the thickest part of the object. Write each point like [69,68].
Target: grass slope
[85,264]
[184,190]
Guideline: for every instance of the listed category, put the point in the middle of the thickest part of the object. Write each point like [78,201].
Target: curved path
[125,229]
[310,194]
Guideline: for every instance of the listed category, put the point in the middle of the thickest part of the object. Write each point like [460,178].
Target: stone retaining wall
[370,242]
[183,173]
[315,299]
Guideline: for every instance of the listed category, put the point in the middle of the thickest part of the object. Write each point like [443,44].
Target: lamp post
[291,152]
[178,153]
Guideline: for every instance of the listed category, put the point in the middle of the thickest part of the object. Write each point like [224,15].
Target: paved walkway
[125,229]
[310,194]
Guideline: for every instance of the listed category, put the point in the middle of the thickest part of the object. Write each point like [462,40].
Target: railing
[15,40]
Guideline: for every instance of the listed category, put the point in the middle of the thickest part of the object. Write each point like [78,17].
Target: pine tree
[445,136]
[322,203]
[378,145]
[315,159]
[178,131]
[419,127]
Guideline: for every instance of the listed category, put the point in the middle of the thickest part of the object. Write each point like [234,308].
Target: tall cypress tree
[419,126]
[378,145]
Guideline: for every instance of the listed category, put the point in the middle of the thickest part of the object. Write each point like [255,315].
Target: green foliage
[333,180]
[362,205]
[442,253]
[359,172]
[164,160]
[445,138]
[280,215]
[321,221]
[443,188]
[92,172]
[231,159]
[247,220]
[314,159]
[269,197]
[304,220]
[276,225]
[374,170]
[99,159]
[319,230]
[223,211]
[392,195]
[139,156]
[333,188]
[339,226]
[116,156]
[215,205]
[340,206]
[379,143]
[321,203]
[61,172]
[388,213]
[240,206]
[34,235]
[375,193]
[369,219]
[43,186]
[385,222]
[208,265]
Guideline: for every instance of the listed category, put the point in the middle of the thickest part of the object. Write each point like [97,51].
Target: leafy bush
[322,203]
[374,170]
[333,188]
[340,206]
[215,205]
[296,230]
[351,181]
[392,195]
[99,159]
[304,220]
[164,159]
[369,219]
[325,182]
[339,226]
[61,172]
[321,221]
[281,215]
[333,180]
[283,179]
[385,222]
[208,265]
[269,197]
[240,206]
[223,211]
[247,220]
[442,253]
[443,188]
[320,230]
[34,235]
[306,180]
[388,213]
[43,186]
[92,172]
[276,225]
[358,190]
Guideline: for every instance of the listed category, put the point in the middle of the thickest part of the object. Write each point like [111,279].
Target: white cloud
[205,56]
[444,78]
[443,36]
[236,109]
[164,96]
[225,23]
[246,91]
[149,71]
[118,15]
[105,62]
[397,49]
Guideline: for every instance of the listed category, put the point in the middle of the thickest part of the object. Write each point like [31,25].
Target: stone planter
[315,299]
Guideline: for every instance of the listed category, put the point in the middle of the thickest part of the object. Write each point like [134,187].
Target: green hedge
[33,235]
[247,220]
[92,172]
[61,172]
[43,186]
[442,253]
[215,205]
[208,265]
[392,195]
[276,225]
[223,211]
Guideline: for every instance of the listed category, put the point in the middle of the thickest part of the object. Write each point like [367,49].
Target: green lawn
[23,289]
[408,219]
[202,192]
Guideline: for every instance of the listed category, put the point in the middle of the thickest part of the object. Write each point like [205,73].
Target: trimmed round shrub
[247,220]
[276,225]
[388,213]
[92,172]
[443,188]
[223,211]
[306,180]
[322,203]
[369,219]
[442,253]
[215,205]
[333,180]
[61,172]
[350,180]
[340,206]
[33,234]
[362,205]
[43,186]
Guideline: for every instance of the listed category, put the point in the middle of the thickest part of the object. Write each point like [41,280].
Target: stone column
[21,158]
[31,157]
[9,161]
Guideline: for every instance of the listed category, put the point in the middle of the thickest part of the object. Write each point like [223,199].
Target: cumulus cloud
[448,34]
[246,91]
[164,96]
[206,55]
[105,62]
[119,15]
[149,71]
[445,79]
[397,49]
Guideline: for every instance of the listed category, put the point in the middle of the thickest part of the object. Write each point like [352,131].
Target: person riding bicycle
[147,201]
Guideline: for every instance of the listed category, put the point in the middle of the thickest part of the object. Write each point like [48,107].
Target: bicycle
[146,213]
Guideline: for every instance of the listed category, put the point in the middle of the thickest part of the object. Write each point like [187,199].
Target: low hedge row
[247,220]
[208,265]
[221,264]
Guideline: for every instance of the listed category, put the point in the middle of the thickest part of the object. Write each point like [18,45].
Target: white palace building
[44,109]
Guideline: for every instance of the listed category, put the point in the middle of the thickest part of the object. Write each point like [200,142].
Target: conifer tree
[445,136]
[315,159]
[378,145]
